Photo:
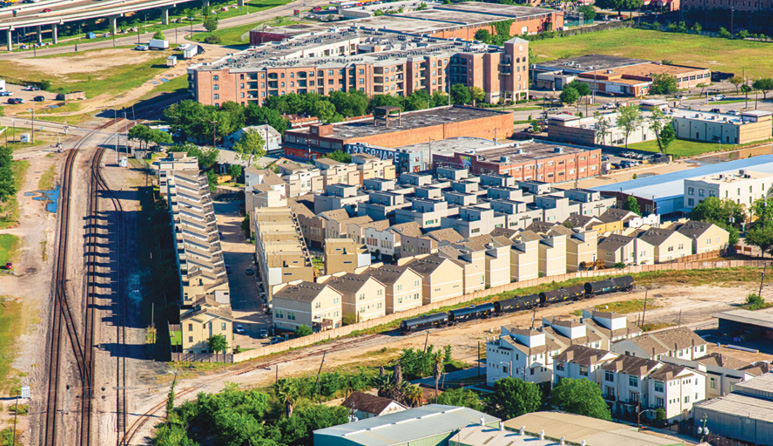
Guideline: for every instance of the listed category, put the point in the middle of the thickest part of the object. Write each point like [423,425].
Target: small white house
[364,405]
[271,137]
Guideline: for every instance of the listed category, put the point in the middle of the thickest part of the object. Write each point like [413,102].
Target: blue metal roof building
[667,191]
[430,425]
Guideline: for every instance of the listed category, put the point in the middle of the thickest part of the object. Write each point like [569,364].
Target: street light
[638,414]
[703,431]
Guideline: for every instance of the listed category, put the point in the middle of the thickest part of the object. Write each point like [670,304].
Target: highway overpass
[25,16]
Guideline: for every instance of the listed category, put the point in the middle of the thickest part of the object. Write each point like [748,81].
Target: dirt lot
[87,62]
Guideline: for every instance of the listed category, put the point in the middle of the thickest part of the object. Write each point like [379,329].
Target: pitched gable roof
[612,215]
[368,403]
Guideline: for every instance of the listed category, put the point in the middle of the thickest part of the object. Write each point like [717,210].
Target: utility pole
[319,396]
[426,340]
[15,415]
[762,279]
[644,310]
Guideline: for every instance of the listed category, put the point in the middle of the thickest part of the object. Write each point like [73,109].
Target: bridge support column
[9,39]
[40,34]
[241,3]
[55,33]
[114,24]
[205,3]
[164,16]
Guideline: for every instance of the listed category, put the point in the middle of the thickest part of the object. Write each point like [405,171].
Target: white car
[239,329]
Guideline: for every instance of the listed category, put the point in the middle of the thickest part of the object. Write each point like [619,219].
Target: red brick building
[528,161]
[410,128]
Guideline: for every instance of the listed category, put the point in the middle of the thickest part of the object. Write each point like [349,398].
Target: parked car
[716,110]
[277,339]
[608,106]
[15,101]
[239,329]
[39,98]
[250,272]
[733,112]
[6,93]
[263,333]
[47,10]
[141,48]
[604,158]
[8,265]
[31,88]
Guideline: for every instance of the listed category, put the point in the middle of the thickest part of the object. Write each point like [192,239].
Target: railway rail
[62,320]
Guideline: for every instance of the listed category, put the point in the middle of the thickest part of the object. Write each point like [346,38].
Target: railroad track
[62,315]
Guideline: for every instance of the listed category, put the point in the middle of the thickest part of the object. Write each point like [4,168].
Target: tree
[483,35]
[632,204]
[250,145]
[588,13]
[303,330]
[736,81]
[514,397]
[286,392]
[217,343]
[697,28]
[725,213]
[459,397]
[412,395]
[349,104]
[532,57]
[460,95]
[235,171]
[45,85]
[629,119]
[210,23]
[206,157]
[764,85]
[582,88]
[658,122]
[667,137]
[619,5]
[724,33]
[440,99]
[170,399]
[663,83]
[340,156]
[754,302]
[159,35]
[324,110]
[602,127]
[569,95]
[477,94]
[140,133]
[761,237]
[580,396]
[298,428]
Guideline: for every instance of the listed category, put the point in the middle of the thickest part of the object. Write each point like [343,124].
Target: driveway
[239,255]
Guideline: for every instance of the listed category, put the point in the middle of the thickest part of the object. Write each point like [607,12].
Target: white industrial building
[743,187]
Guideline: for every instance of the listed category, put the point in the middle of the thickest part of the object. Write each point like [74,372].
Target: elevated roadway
[47,16]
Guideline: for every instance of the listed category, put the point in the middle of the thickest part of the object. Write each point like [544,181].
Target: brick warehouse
[527,161]
[408,128]
[460,21]
[373,62]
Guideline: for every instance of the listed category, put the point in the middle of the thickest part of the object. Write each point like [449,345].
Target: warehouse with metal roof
[430,425]
[747,323]
[664,194]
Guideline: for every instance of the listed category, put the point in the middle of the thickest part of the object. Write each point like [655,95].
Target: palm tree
[412,395]
[438,359]
[286,392]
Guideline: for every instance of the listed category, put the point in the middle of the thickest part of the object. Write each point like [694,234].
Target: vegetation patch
[627,306]
[689,49]
[9,247]
[46,181]
[9,210]
[10,330]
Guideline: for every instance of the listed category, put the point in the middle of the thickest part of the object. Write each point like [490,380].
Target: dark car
[263,333]
[15,101]
[39,98]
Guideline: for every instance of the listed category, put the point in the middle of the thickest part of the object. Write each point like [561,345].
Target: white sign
[25,392]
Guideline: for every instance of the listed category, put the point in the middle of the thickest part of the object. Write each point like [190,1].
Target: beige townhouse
[581,250]
[669,244]
[363,296]
[442,279]
[201,321]
[316,305]
[706,237]
[403,287]
[524,260]
[627,250]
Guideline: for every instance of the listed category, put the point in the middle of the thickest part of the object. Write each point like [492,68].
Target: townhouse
[669,244]
[616,248]
[316,305]
[362,296]
[442,278]
[706,237]
[610,326]
[472,260]
[519,353]
[403,287]
[680,343]
[344,255]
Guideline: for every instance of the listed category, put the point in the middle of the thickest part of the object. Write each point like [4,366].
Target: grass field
[46,181]
[9,247]
[686,49]
[233,36]
[628,306]
[112,80]
[9,212]
[10,329]
[683,148]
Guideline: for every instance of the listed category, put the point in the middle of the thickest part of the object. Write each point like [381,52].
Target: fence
[349,329]
[203,357]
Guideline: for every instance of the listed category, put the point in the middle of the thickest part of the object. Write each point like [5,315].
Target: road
[279,11]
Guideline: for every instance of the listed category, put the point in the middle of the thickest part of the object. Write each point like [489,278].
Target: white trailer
[2,85]
[156,44]
[189,50]
[171,61]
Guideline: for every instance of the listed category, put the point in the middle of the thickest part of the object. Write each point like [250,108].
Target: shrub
[212,39]
[754,302]
[349,319]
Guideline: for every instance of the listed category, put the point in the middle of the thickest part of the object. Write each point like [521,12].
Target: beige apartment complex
[524,260]
[362,296]
[442,279]
[205,301]
[403,287]
[668,244]
[280,249]
[581,249]
[316,305]
[618,248]
[344,255]
[706,237]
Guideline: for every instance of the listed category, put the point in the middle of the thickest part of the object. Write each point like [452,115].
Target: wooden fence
[343,331]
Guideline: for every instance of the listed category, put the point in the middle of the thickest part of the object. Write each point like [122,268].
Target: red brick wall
[533,26]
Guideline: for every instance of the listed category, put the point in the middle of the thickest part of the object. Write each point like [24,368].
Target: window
[687,399]
[216,87]
[634,398]
[560,366]
[216,78]
[633,381]
[659,402]
[690,191]
[583,370]
[399,287]
[190,339]
[222,326]
[658,386]
[190,327]
[217,96]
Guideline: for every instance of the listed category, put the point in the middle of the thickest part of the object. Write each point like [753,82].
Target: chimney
[482,421]
[501,426]
[522,431]
[569,355]
[542,434]
[618,366]
[562,441]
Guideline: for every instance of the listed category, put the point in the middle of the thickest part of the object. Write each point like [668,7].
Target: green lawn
[9,247]
[10,329]
[627,306]
[233,36]
[9,212]
[686,49]
[176,338]
[683,148]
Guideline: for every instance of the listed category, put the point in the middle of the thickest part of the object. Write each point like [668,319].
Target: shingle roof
[504,232]
[303,292]
[656,236]
[631,365]
[427,265]
[366,402]
[540,226]
[693,229]
[349,283]
[614,242]
[446,234]
[388,274]
[581,355]
[667,372]
[410,229]
[613,214]
[579,220]
[335,214]
[721,360]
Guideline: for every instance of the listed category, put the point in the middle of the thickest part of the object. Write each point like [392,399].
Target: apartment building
[744,187]
[339,196]
[472,259]
[387,243]
[174,161]
[722,372]
[581,362]
[668,244]
[581,250]
[316,305]
[519,353]
[681,343]
[750,126]
[280,249]
[363,296]
[473,220]
[344,255]
[552,252]
[610,326]
[197,243]
[615,249]
[203,319]
[524,260]
[706,237]
[366,60]
[498,262]
[403,287]
[442,278]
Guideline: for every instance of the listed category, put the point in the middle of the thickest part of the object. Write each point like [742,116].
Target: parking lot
[17,91]
[239,255]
